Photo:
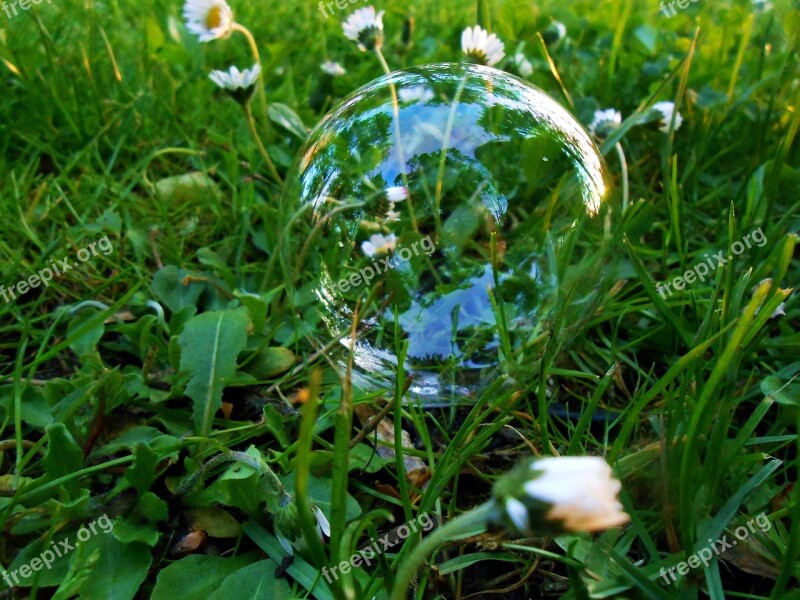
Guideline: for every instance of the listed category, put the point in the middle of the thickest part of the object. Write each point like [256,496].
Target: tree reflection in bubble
[491,174]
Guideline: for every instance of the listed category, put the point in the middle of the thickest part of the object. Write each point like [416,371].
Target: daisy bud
[408,32]
[556,495]
[665,110]
[554,34]
[365,27]
[604,122]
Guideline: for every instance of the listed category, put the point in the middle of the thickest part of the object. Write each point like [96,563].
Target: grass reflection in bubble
[453,211]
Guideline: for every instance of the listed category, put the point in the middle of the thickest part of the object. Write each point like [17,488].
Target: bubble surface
[452,214]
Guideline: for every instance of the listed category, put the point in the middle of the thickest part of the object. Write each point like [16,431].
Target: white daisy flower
[378,244]
[365,27]
[779,312]
[333,69]
[397,193]
[518,514]
[323,525]
[666,109]
[236,81]
[581,490]
[208,19]
[288,519]
[479,45]
[604,121]
[524,66]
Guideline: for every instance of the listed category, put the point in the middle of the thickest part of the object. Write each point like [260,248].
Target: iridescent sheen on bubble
[504,183]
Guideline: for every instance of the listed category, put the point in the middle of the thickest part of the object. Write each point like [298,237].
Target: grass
[132,370]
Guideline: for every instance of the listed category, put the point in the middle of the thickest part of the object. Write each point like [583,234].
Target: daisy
[234,79]
[333,69]
[378,244]
[779,312]
[208,19]
[581,491]
[558,494]
[604,121]
[323,527]
[397,193]
[524,66]
[482,47]
[365,27]
[666,109]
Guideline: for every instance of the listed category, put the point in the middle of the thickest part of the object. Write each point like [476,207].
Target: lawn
[221,377]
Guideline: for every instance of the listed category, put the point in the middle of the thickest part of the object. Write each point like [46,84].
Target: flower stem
[461,525]
[248,112]
[624,165]
[400,150]
[262,96]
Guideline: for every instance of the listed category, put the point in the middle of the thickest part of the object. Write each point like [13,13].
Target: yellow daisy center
[214,18]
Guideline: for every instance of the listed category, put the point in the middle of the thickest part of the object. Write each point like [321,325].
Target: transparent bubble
[456,214]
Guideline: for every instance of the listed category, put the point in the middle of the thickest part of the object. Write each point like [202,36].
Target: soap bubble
[454,213]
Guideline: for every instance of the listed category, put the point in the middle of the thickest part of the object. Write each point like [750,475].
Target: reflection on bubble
[452,212]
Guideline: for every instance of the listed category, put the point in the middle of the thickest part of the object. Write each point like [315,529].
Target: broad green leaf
[195,577]
[215,522]
[119,571]
[254,582]
[270,362]
[169,288]
[63,457]
[288,119]
[210,344]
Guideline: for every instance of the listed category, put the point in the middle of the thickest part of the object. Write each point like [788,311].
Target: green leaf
[254,582]
[196,577]
[288,119]
[215,522]
[189,188]
[270,362]
[63,457]
[169,288]
[119,571]
[143,470]
[210,344]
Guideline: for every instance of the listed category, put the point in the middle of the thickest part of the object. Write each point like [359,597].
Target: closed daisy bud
[604,122]
[396,193]
[408,32]
[554,34]
[480,46]
[238,84]
[334,69]
[556,495]
[287,524]
[208,19]
[365,27]
[666,109]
